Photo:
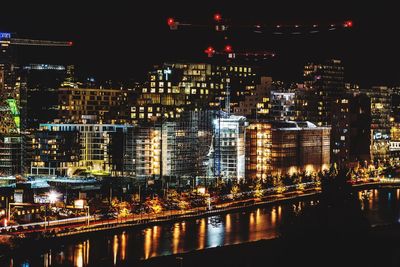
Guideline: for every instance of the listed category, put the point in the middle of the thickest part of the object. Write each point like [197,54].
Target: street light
[53,197]
[88,215]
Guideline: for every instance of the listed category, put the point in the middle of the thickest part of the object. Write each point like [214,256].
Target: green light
[14,111]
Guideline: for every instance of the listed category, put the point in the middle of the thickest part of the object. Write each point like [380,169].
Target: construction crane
[7,39]
[232,54]
[226,26]
[220,24]
[9,96]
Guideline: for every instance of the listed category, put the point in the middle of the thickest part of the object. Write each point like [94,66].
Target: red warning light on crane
[70,43]
[209,51]
[170,22]
[348,24]
[228,49]
[217,17]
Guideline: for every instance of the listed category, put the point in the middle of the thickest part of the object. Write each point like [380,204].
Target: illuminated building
[147,152]
[53,152]
[395,104]
[11,154]
[104,149]
[174,87]
[257,103]
[12,110]
[227,155]
[351,127]
[174,149]
[395,141]
[380,122]
[186,143]
[75,103]
[277,148]
[323,85]
[282,106]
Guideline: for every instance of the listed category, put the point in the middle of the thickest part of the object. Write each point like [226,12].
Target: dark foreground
[380,247]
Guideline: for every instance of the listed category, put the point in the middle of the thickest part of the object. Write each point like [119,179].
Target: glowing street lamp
[53,197]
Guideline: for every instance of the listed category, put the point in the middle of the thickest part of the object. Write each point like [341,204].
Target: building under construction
[13,98]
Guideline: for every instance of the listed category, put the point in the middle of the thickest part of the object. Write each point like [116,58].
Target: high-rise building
[395,141]
[323,85]
[380,121]
[317,101]
[77,103]
[186,144]
[105,149]
[12,106]
[282,106]
[256,104]
[227,157]
[53,152]
[395,104]
[42,82]
[278,148]
[147,152]
[174,87]
[11,155]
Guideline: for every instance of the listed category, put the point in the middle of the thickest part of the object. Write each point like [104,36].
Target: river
[107,249]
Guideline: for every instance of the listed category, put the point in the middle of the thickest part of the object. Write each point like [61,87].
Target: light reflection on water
[237,227]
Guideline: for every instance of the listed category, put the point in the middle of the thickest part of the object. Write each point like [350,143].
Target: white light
[53,196]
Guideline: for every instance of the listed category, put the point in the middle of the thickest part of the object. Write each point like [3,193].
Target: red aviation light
[217,17]
[209,51]
[348,24]
[228,49]
[170,22]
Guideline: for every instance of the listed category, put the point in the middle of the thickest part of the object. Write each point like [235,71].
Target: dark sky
[121,40]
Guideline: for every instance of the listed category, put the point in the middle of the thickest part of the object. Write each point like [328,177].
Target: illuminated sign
[79,203]
[5,35]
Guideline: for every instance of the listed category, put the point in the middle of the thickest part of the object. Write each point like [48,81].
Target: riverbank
[141,221]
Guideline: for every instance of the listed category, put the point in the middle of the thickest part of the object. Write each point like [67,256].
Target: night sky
[121,41]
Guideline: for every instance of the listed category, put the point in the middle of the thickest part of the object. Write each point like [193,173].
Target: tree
[234,191]
[258,193]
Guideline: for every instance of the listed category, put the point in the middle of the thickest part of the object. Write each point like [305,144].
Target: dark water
[381,206]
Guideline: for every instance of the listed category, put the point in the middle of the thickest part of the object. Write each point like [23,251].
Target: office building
[256,104]
[283,106]
[323,85]
[279,148]
[227,155]
[77,103]
[43,82]
[380,121]
[174,87]
[104,149]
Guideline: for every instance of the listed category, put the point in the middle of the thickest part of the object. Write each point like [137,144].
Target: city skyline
[122,42]
[186,133]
